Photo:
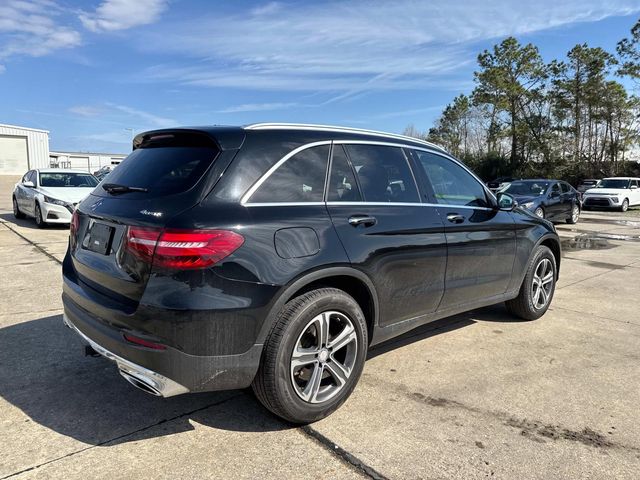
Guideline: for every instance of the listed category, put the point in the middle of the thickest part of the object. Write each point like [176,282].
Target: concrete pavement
[478,395]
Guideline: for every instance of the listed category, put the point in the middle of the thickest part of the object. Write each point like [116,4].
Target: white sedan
[51,195]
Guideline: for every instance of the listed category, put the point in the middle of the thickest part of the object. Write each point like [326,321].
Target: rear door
[555,205]
[481,240]
[387,232]
[567,197]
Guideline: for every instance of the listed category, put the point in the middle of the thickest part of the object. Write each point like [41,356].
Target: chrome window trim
[333,128]
[364,204]
[247,196]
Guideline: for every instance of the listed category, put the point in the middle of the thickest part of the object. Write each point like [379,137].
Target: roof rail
[331,128]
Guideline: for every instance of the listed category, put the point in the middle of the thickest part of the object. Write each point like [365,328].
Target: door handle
[365,220]
[455,218]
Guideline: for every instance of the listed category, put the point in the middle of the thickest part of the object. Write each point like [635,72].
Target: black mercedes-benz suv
[275,255]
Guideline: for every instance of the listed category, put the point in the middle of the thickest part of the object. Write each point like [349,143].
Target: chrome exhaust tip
[140,383]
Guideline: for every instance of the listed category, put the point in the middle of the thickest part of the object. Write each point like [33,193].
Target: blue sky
[93,72]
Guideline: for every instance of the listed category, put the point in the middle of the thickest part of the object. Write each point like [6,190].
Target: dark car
[554,200]
[275,255]
[586,184]
[498,183]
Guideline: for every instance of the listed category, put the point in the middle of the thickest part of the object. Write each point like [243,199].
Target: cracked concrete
[468,397]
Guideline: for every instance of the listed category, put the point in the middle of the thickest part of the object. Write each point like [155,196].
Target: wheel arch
[553,244]
[348,279]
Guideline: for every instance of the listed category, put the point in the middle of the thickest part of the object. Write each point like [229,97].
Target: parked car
[615,192]
[554,200]
[275,255]
[51,195]
[499,183]
[586,184]
[102,172]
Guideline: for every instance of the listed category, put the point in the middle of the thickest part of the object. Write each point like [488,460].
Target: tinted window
[565,188]
[555,188]
[634,183]
[533,187]
[342,182]
[383,173]
[164,170]
[63,179]
[452,184]
[614,183]
[300,179]
[33,177]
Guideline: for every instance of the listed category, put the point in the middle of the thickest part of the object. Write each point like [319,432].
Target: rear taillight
[73,229]
[181,249]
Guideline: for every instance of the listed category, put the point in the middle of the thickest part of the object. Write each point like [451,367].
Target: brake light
[73,228]
[182,249]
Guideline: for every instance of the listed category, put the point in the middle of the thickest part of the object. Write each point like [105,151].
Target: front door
[387,232]
[481,240]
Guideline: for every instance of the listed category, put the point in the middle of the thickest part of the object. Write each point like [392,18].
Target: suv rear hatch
[116,231]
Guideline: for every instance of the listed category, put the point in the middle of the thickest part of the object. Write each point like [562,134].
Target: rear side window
[300,178]
[342,181]
[452,184]
[164,170]
[383,173]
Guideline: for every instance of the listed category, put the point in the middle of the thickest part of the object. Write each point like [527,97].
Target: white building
[90,162]
[23,149]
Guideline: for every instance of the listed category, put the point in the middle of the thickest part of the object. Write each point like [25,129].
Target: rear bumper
[163,372]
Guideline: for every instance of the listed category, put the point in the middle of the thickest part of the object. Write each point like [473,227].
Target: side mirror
[506,202]
[633,187]
[28,184]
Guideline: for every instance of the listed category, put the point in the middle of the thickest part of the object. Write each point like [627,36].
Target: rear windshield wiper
[115,188]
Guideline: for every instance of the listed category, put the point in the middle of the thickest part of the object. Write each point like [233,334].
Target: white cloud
[258,107]
[350,48]
[33,28]
[146,117]
[86,110]
[112,15]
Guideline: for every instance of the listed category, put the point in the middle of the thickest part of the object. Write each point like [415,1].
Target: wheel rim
[539,212]
[542,284]
[324,357]
[625,206]
[575,213]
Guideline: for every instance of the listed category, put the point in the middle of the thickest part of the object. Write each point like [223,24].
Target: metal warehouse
[22,148]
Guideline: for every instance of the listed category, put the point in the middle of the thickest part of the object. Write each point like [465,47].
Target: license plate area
[98,238]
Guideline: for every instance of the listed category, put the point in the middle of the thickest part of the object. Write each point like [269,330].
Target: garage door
[13,155]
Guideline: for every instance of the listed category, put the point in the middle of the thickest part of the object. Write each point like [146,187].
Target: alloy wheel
[542,283]
[324,357]
[575,213]
[625,205]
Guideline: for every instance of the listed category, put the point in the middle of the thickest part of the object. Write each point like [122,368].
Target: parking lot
[474,396]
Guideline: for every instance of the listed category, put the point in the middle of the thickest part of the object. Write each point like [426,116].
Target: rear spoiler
[224,138]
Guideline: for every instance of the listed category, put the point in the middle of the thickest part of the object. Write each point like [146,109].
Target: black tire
[16,210]
[625,205]
[274,383]
[573,219]
[523,305]
[541,214]
[38,216]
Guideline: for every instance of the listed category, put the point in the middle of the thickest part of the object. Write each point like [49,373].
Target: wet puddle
[596,241]
[622,223]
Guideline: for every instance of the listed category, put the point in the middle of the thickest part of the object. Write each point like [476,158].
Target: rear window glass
[63,179]
[164,170]
[342,182]
[299,179]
